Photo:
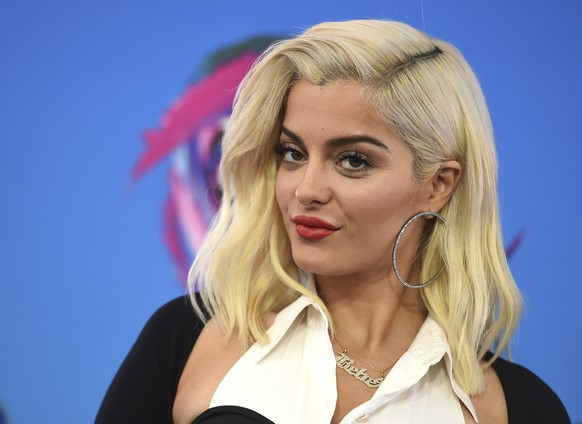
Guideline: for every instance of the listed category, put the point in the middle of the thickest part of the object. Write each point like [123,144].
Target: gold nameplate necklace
[346,363]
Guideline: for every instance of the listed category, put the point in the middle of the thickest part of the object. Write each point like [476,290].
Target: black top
[144,388]
[231,415]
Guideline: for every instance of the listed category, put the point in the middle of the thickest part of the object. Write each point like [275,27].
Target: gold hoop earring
[404,227]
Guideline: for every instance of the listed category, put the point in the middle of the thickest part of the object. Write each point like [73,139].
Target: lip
[311,228]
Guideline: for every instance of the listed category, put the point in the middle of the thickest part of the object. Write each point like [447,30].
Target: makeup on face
[312,228]
[344,184]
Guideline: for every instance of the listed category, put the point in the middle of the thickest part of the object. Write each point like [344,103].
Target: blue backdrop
[82,260]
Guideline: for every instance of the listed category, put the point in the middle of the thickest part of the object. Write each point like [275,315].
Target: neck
[372,315]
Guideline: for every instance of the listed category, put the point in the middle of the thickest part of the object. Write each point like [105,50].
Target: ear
[443,184]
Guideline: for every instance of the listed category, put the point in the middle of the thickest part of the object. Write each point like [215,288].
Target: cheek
[282,188]
[384,209]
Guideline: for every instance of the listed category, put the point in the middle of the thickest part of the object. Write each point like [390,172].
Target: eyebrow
[339,141]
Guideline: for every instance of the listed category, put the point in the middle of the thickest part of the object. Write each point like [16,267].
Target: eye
[354,161]
[289,153]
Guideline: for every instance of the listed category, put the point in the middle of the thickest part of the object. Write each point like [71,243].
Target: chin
[318,266]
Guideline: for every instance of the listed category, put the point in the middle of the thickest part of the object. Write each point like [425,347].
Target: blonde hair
[423,89]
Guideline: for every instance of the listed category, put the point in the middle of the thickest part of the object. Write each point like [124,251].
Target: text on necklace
[346,363]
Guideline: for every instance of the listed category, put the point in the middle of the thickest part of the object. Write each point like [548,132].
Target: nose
[313,188]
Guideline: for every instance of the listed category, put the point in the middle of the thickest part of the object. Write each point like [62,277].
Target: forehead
[335,108]
[337,95]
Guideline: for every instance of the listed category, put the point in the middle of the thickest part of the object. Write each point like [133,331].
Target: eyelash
[281,149]
[359,157]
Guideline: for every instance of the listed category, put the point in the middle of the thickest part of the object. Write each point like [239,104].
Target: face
[344,184]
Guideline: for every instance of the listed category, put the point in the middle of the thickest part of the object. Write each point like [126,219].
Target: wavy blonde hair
[422,88]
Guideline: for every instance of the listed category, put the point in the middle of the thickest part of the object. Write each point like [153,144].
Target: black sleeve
[144,388]
[529,399]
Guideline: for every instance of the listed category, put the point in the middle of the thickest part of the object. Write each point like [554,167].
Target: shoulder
[173,327]
[144,387]
[171,332]
[213,355]
[177,314]
[529,399]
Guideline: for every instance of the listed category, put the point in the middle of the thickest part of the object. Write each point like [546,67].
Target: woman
[355,271]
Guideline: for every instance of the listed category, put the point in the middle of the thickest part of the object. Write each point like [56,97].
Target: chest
[296,382]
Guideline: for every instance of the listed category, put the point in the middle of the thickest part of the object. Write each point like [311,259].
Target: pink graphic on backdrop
[190,135]
[200,105]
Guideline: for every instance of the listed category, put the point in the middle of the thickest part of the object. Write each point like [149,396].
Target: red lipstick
[312,228]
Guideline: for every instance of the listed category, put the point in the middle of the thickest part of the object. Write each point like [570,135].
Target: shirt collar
[287,316]
[427,349]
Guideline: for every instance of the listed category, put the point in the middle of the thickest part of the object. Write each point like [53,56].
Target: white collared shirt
[292,380]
